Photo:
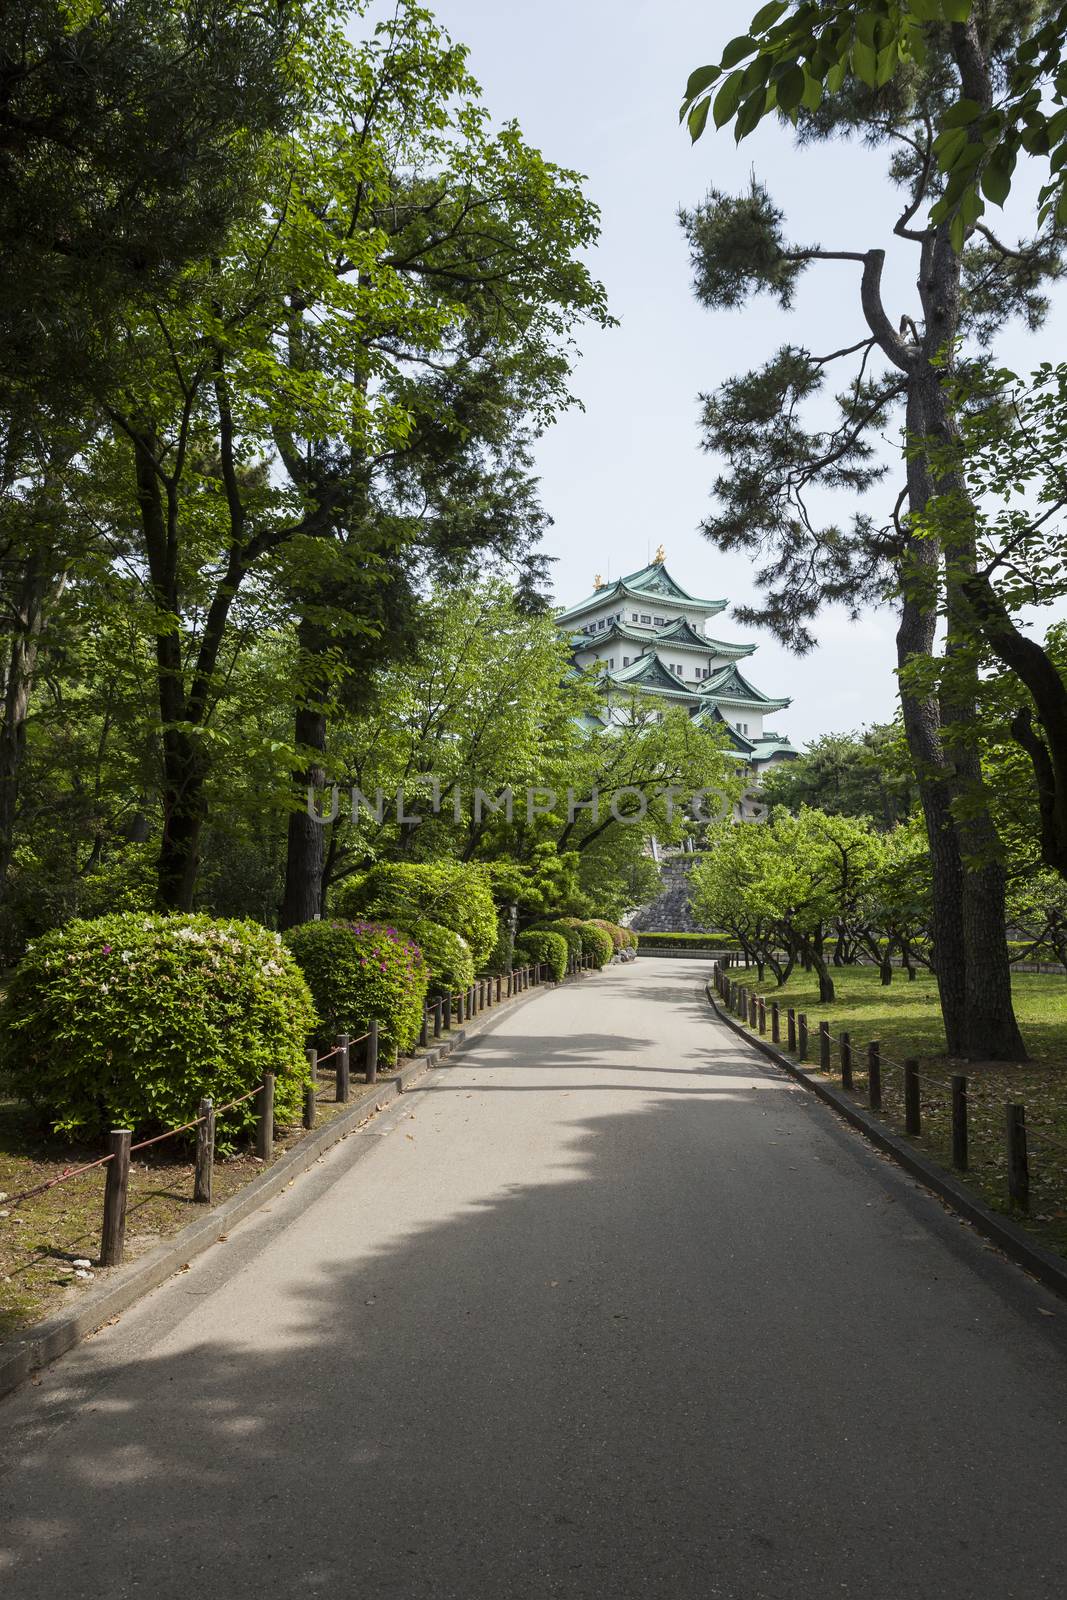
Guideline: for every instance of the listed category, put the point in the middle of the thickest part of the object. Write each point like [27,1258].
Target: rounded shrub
[454,893]
[567,930]
[360,970]
[127,1020]
[539,945]
[597,943]
[615,933]
[447,956]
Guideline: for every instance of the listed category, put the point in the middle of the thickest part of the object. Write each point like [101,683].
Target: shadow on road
[676,1368]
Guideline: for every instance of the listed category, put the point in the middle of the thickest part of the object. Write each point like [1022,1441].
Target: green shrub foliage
[453,893]
[616,934]
[127,1020]
[567,930]
[360,970]
[447,956]
[541,946]
[596,943]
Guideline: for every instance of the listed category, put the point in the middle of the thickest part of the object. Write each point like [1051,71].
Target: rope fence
[951,1110]
[440,1015]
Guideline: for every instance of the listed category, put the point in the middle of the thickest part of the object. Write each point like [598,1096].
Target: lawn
[905,1019]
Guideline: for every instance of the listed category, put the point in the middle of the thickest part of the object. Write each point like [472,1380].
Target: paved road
[609,1309]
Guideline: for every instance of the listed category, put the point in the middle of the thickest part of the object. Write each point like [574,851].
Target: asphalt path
[609,1308]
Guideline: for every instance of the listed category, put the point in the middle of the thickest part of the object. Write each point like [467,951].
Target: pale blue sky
[596,86]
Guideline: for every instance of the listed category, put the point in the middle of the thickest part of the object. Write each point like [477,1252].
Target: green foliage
[360,970]
[867,774]
[616,934]
[701,941]
[453,893]
[568,932]
[593,941]
[127,1020]
[446,953]
[541,945]
[793,55]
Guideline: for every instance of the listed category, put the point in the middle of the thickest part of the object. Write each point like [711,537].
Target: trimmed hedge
[447,956]
[453,893]
[360,970]
[595,943]
[615,933]
[705,941]
[540,945]
[565,927]
[127,1020]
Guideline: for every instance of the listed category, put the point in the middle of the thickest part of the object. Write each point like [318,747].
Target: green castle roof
[651,584]
[649,674]
[730,685]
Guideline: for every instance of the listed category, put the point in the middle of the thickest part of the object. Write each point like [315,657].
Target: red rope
[50,1183]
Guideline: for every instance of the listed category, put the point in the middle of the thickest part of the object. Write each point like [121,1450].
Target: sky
[596,86]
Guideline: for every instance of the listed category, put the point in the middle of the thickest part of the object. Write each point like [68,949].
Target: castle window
[658,621]
[633,616]
[626,661]
[611,663]
[646,619]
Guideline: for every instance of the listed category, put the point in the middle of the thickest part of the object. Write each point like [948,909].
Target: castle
[649,637]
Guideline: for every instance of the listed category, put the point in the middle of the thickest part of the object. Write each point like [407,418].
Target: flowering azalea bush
[455,894]
[447,956]
[126,1021]
[360,970]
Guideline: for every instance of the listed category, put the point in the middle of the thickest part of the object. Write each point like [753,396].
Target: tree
[798,53]
[852,775]
[906,367]
[257,406]
[128,141]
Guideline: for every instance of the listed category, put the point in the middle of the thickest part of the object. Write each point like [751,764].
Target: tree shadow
[668,1367]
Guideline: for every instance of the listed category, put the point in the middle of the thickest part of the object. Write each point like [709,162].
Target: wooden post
[204,1169]
[846,1060]
[424,1031]
[874,1076]
[913,1121]
[370,1069]
[113,1233]
[509,985]
[265,1119]
[824,1046]
[752,1010]
[343,1073]
[761,1014]
[448,1012]
[499,980]
[437,1019]
[791,1029]
[776,1024]
[959,1121]
[309,1088]
[1018,1163]
[459,1007]
[802,1035]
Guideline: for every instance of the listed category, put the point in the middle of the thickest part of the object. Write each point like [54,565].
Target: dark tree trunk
[184,815]
[38,587]
[305,853]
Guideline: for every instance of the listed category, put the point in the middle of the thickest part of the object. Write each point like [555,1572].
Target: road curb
[28,1353]
[1048,1268]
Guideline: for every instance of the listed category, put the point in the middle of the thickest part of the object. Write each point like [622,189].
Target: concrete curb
[1048,1268]
[27,1353]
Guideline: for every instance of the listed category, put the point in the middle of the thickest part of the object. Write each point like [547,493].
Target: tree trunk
[184,815]
[38,587]
[303,899]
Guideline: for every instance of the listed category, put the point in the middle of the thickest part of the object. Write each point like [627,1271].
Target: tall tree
[905,367]
[128,139]
[264,405]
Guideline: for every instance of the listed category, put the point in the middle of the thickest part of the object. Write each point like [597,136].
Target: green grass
[905,1019]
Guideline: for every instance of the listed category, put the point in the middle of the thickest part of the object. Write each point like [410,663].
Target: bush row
[127,1020]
